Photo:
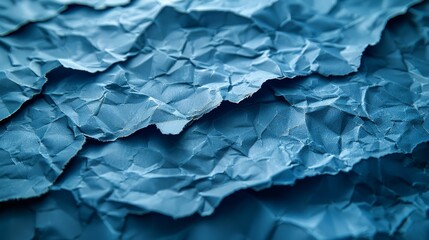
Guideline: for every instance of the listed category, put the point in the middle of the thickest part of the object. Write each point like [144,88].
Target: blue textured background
[214,119]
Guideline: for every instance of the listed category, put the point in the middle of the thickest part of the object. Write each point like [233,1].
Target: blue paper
[82,39]
[379,199]
[248,45]
[319,156]
[16,13]
[310,126]
[187,68]
[35,146]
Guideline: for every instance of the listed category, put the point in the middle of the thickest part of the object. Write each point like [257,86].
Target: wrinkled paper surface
[302,37]
[35,145]
[14,14]
[339,151]
[378,198]
[313,125]
[187,68]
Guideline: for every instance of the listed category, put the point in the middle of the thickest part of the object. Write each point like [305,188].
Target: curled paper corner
[172,127]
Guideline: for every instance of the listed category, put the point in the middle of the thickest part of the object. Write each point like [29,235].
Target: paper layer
[210,55]
[311,126]
[187,68]
[35,146]
[378,198]
[15,14]
[337,152]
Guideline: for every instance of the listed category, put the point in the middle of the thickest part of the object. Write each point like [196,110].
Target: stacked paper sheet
[181,119]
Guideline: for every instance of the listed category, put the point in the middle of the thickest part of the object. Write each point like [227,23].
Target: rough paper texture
[187,68]
[313,125]
[35,145]
[380,198]
[340,155]
[16,13]
[216,51]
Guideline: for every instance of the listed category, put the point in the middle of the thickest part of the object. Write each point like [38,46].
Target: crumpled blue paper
[248,45]
[16,13]
[314,125]
[64,41]
[379,199]
[287,131]
[188,67]
[82,38]
[35,145]
[386,198]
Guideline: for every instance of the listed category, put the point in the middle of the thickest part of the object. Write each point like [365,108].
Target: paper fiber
[313,125]
[35,145]
[382,198]
[212,54]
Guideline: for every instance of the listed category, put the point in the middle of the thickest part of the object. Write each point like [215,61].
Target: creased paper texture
[187,68]
[215,52]
[35,145]
[313,125]
[16,13]
[154,119]
[382,198]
